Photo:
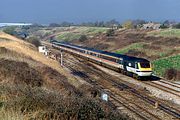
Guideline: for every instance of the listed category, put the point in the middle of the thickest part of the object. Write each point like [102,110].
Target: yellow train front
[139,67]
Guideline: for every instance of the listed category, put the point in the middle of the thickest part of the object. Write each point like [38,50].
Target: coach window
[120,61]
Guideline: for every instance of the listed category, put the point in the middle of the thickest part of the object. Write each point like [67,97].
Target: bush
[90,110]
[163,26]
[110,32]
[172,74]
[37,103]
[19,73]
[128,24]
[10,30]
[83,38]
[177,26]
[35,41]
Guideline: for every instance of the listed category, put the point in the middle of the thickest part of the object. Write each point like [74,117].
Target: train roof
[125,57]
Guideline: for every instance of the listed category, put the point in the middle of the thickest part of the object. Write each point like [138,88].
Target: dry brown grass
[27,49]
[172,74]
[24,102]
[18,53]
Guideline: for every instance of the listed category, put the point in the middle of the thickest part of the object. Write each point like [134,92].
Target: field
[166,33]
[161,65]
[76,33]
[135,46]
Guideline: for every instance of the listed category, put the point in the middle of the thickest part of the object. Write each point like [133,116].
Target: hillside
[76,32]
[21,51]
[35,87]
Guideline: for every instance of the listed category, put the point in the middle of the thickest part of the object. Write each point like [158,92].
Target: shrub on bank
[38,103]
[172,74]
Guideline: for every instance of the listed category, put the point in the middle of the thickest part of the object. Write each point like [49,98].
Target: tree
[163,26]
[10,30]
[110,32]
[128,24]
[36,25]
[166,22]
[35,41]
[138,23]
[111,23]
[83,38]
[66,24]
[54,25]
[177,26]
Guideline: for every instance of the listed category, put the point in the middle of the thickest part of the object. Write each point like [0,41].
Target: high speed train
[137,67]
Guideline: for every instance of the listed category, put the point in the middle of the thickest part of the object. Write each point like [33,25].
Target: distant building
[43,50]
[151,25]
[115,26]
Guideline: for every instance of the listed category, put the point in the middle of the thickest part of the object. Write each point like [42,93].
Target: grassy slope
[166,33]
[21,63]
[161,65]
[27,49]
[75,34]
[125,50]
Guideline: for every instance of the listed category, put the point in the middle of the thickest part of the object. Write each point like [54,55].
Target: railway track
[163,106]
[138,110]
[164,88]
[166,108]
[176,85]
[116,98]
[169,110]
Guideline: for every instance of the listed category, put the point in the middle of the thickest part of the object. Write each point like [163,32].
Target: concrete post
[61,58]
[156,105]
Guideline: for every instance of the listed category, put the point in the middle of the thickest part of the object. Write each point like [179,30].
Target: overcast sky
[47,11]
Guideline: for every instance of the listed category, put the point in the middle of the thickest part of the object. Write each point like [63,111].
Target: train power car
[138,67]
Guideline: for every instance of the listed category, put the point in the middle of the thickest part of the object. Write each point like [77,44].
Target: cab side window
[136,66]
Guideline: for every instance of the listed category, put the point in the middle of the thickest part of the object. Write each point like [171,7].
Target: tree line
[127,24]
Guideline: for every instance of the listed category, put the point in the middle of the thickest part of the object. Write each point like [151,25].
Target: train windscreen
[145,64]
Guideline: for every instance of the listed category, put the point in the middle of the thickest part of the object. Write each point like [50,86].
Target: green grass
[162,64]
[94,30]
[68,36]
[130,47]
[88,31]
[167,33]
